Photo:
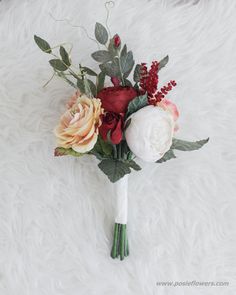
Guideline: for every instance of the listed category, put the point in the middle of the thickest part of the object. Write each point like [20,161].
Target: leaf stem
[49,80]
[121,74]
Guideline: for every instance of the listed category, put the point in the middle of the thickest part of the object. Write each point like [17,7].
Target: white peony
[149,135]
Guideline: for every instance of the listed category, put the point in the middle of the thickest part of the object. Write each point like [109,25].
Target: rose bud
[112,122]
[116,99]
[116,40]
[115,81]
[149,135]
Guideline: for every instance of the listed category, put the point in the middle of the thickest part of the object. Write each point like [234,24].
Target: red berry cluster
[161,94]
[149,79]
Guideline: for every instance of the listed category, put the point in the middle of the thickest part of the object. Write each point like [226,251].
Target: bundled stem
[120,242]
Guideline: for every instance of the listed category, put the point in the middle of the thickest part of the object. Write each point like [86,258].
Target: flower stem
[120,242]
[114,247]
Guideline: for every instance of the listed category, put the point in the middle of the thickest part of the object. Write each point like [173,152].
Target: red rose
[116,99]
[114,123]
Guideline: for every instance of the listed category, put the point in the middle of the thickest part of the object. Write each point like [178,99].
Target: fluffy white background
[56,214]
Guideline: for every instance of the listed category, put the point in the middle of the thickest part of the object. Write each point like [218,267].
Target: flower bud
[116,40]
[115,81]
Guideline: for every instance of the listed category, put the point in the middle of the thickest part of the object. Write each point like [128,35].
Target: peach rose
[169,106]
[78,127]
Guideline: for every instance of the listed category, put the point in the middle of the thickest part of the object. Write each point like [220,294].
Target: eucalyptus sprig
[63,67]
[113,61]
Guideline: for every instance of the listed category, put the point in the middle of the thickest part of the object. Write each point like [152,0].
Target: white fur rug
[56,214]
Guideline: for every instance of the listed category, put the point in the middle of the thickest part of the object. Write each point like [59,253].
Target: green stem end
[120,246]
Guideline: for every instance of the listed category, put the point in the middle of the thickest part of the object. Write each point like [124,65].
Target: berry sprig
[149,82]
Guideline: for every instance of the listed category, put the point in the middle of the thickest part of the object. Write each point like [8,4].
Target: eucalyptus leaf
[137,73]
[134,165]
[101,33]
[65,56]
[100,81]
[92,87]
[128,83]
[123,51]
[87,89]
[111,69]
[167,156]
[58,65]
[127,63]
[163,63]
[42,44]
[136,104]
[60,151]
[102,56]
[89,71]
[184,145]
[126,74]
[112,49]
[80,84]
[114,169]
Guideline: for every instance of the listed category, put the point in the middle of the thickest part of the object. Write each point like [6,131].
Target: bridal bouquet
[116,123]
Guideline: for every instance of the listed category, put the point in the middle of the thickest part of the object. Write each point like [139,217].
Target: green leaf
[102,147]
[127,123]
[137,73]
[167,156]
[92,87]
[127,63]
[80,84]
[102,56]
[58,65]
[87,89]
[163,63]
[42,44]
[136,104]
[65,56]
[100,81]
[128,83]
[183,145]
[114,169]
[134,165]
[111,69]
[101,33]
[89,71]
[60,151]
[123,51]
[112,49]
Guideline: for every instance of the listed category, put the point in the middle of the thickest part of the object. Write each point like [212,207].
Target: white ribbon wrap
[121,195]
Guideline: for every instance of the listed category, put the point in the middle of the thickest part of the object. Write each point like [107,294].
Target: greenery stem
[115,244]
[120,246]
